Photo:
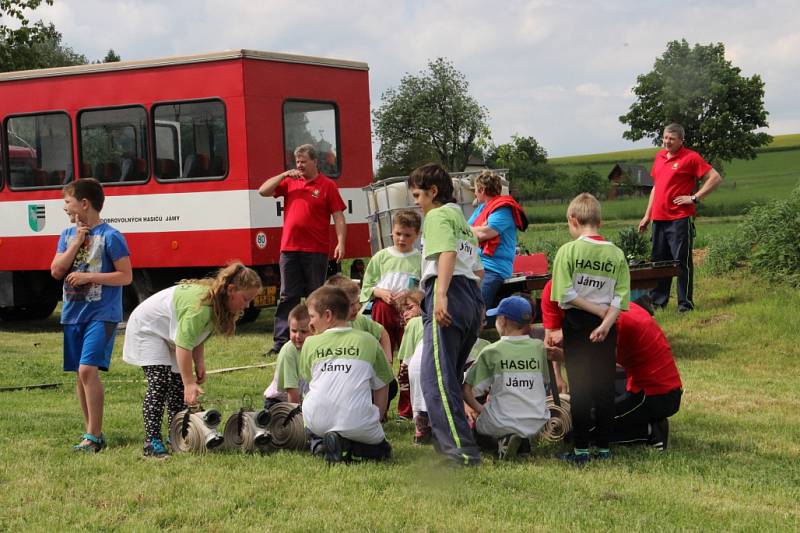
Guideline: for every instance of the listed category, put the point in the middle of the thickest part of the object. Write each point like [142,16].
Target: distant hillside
[779,143]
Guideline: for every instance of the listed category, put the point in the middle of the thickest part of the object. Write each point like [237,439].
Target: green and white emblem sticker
[36,218]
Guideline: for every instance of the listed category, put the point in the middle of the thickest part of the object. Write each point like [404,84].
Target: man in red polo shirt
[676,171]
[310,200]
[653,390]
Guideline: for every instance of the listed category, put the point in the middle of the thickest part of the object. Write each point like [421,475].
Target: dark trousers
[164,388]
[301,274]
[445,350]
[591,368]
[382,450]
[673,240]
[635,411]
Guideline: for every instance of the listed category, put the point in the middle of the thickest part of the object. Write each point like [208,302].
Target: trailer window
[314,123]
[191,141]
[113,146]
[39,151]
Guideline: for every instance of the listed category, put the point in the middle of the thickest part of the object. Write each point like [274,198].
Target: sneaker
[155,448]
[602,454]
[335,449]
[578,459]
[90,443]
[659,434]
[684,309]
[508,446]
[272,352]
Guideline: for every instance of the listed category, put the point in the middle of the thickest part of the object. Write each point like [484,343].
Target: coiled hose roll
[285,430]
[195,431]
[243,429]
[560,422]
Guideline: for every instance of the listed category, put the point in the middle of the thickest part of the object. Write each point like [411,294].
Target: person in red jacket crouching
[653,390]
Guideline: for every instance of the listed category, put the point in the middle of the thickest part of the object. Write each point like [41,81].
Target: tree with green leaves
[31,45]
[111,57]
[698,88]
[430,113]
[528,172]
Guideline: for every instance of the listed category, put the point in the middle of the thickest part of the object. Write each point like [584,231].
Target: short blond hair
[586,210]
[347,285]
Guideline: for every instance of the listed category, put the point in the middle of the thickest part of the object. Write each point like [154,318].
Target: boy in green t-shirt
[513,371]
[348,378]
[286,385]
[451,311]
[591,282]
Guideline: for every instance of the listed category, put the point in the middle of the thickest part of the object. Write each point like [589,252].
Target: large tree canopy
[701,90]
[430,113]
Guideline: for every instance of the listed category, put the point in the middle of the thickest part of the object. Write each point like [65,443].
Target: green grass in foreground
[732,463]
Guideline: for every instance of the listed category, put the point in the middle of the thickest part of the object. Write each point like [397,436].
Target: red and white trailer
[181,145]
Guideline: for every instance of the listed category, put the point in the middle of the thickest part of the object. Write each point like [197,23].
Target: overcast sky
[560,71]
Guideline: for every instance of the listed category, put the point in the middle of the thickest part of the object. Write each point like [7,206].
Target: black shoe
[335,448]
[272,352]
[685,309]
[659,434]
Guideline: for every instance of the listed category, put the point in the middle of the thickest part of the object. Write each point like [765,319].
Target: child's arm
[198,356]
[386,344]
[470,400]
[191,390]
[122,275]
[380,398]
[589,307]
[293,395]
[600,332]
[445,267]
[62,261]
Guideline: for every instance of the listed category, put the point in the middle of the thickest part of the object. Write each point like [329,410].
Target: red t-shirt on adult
[675,176]
[642,348]
[307,213]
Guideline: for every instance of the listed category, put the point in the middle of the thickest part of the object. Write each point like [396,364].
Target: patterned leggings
[163,387]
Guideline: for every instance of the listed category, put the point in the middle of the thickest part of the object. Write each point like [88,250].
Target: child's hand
[440,312]
[599,334]
[553,338]
[76,279]
[190,393]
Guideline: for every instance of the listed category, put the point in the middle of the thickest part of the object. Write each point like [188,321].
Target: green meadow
[732,463]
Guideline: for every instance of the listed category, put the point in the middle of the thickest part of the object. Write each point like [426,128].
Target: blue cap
[516,308]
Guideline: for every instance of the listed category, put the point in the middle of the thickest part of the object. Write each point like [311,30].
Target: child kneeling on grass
[348,378]
[166,334]
[513,371]
[286,385]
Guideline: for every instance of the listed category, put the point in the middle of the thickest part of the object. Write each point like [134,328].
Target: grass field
[732,463]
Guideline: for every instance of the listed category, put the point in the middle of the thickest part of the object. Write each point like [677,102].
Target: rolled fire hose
[285,430]
[560,422]
[195,431]
[243,429]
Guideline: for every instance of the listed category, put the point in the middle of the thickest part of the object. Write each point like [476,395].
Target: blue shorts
[90,344]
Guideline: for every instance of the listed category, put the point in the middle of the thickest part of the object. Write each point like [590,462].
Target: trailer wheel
[37,311]
[250,315]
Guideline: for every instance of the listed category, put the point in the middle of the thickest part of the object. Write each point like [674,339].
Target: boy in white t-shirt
[348,378]
[513,371]
[286,385]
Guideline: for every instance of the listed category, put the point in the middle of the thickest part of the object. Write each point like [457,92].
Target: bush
[635,245]
[768,237]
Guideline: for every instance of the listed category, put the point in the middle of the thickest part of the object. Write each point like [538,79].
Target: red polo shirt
[307,213]
[675,176]
[642,348]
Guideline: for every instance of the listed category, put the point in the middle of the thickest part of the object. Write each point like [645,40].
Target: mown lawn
[732,462]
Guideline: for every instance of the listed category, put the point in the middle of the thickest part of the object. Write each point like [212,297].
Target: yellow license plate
[266,297]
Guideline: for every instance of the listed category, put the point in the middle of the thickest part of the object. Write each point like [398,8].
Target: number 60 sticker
[261,240]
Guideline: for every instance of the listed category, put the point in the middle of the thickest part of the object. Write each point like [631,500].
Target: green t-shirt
[364,323]
[287,374]
[343,366]
[480,344]
[193,318]
[592,269]
[392,270]
[514,371]
[444,229]
[412,335]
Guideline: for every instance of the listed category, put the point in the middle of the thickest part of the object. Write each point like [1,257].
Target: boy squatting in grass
[93,260]
[390,273]
[452,310]
[348,378]
[166,334]
[591,282]
[513,372]
[286,385]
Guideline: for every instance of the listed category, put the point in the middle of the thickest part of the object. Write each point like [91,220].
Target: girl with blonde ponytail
[166,333]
